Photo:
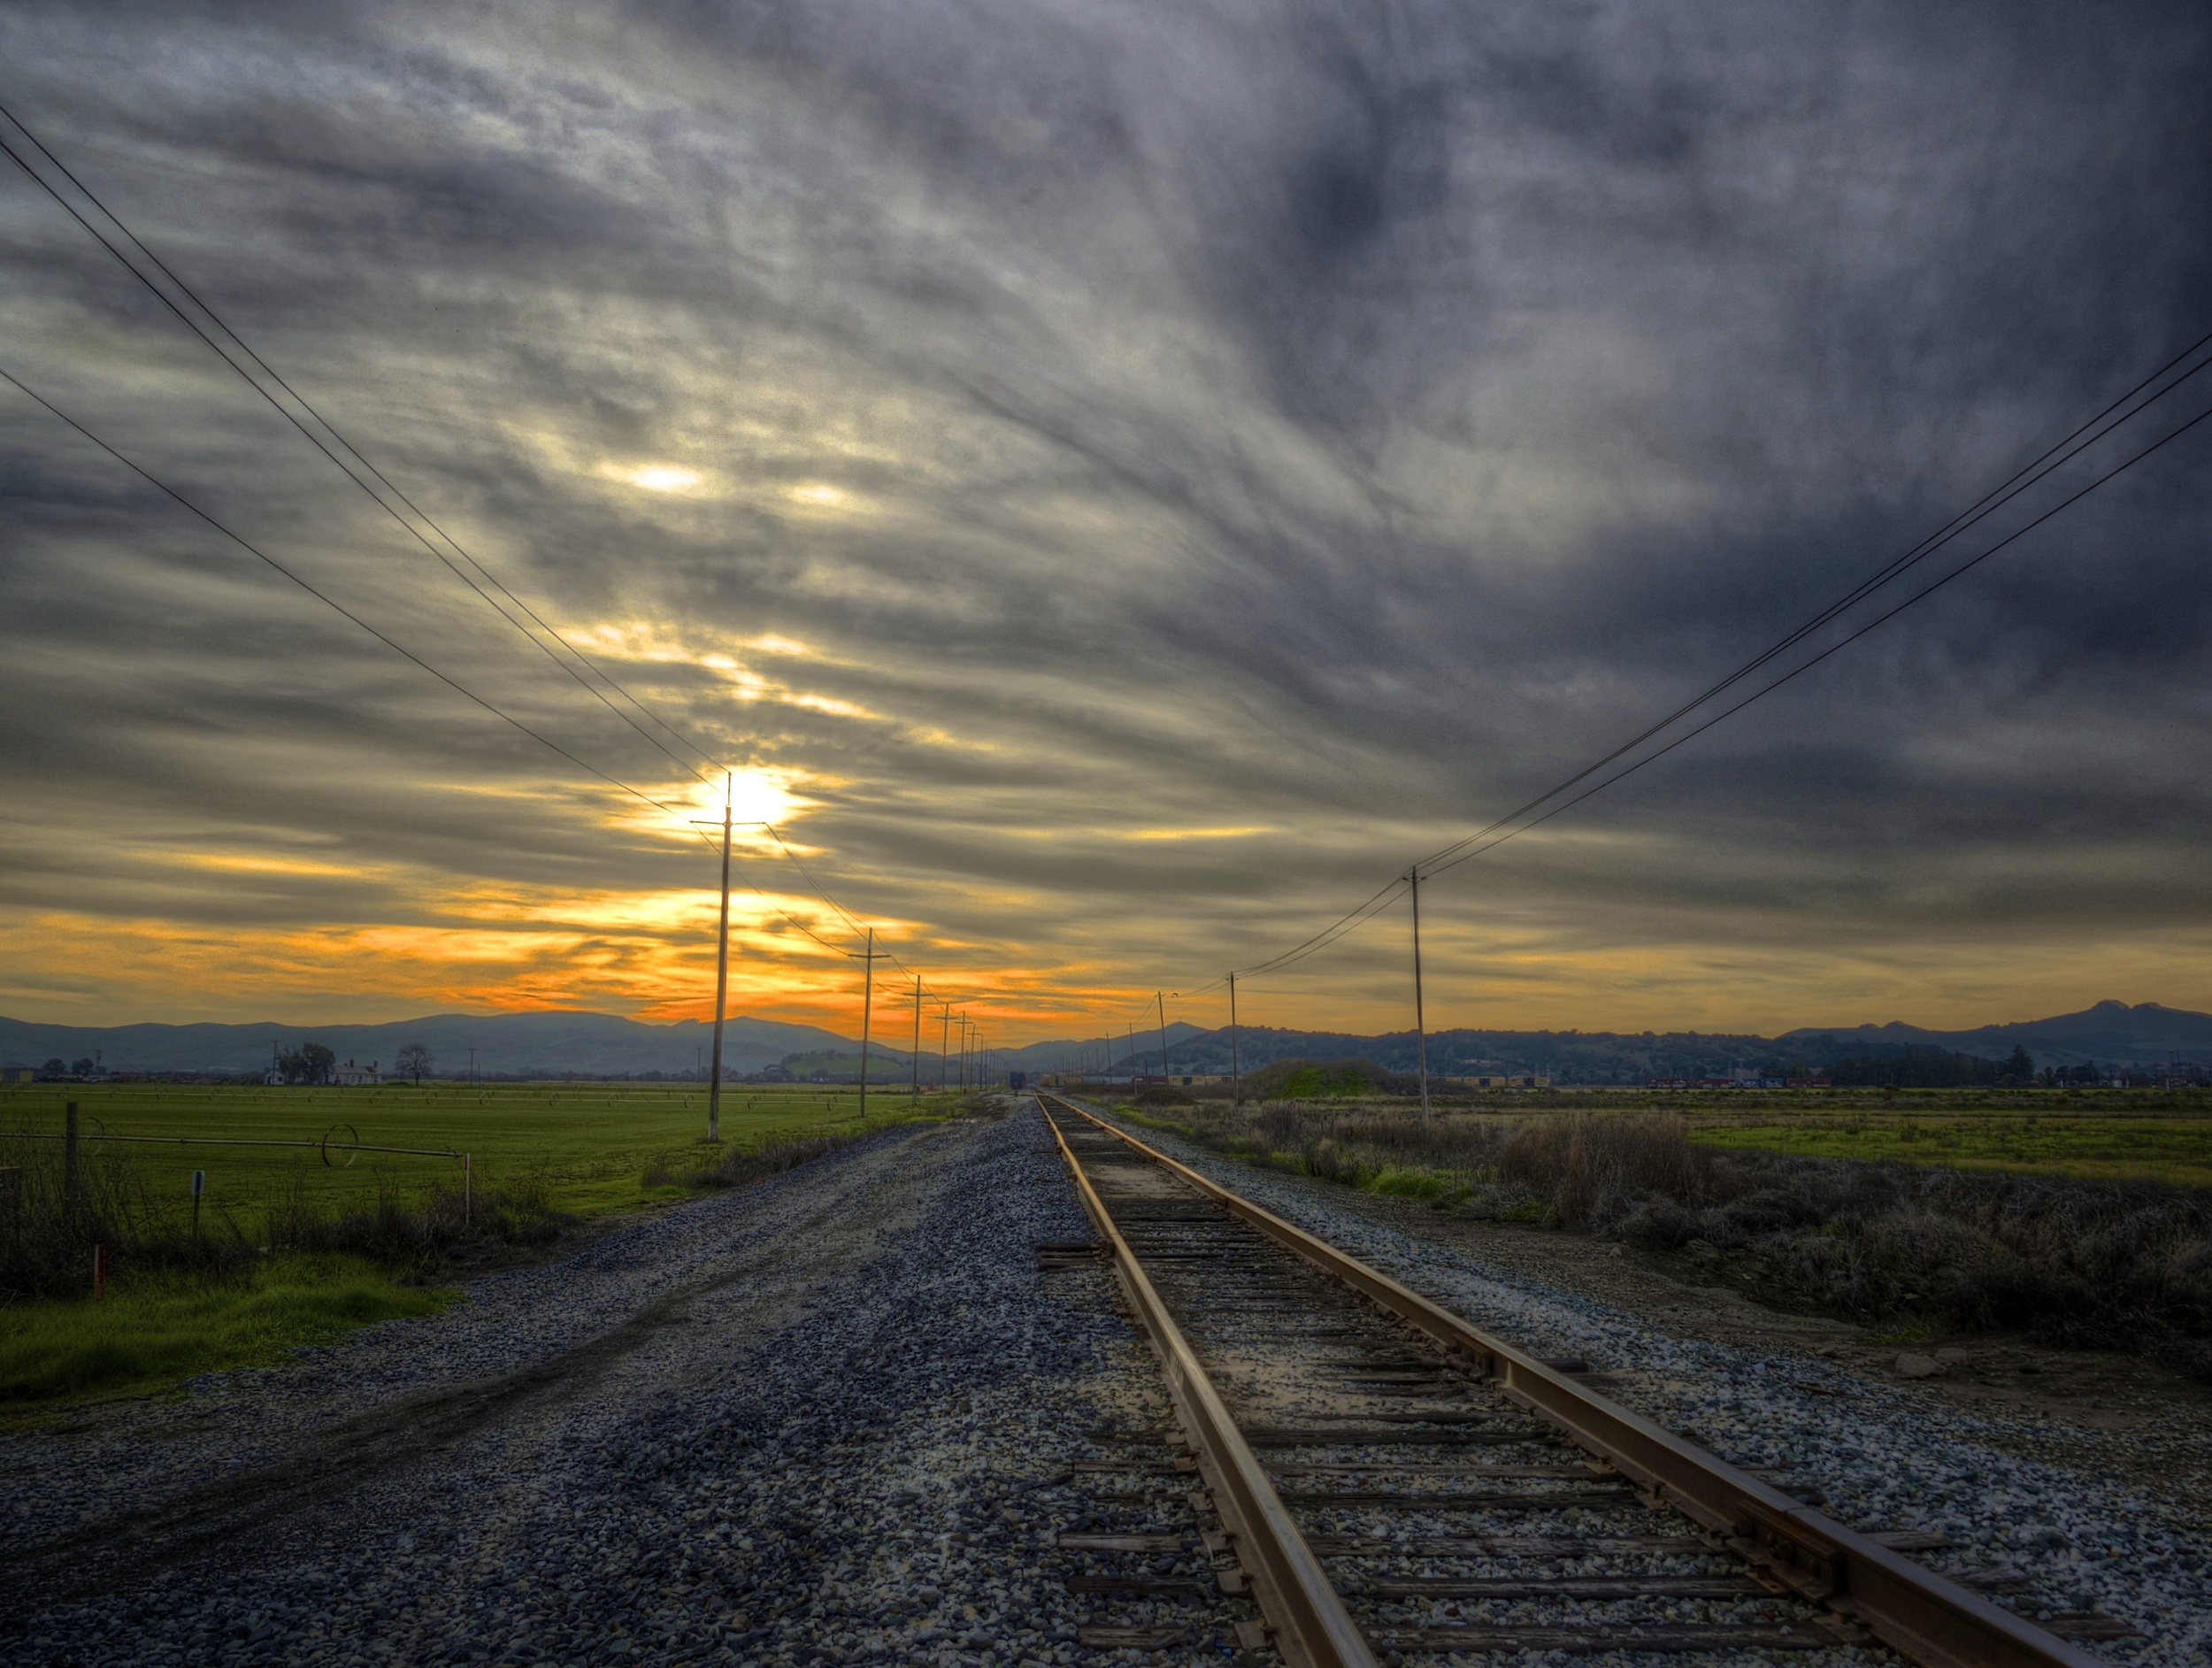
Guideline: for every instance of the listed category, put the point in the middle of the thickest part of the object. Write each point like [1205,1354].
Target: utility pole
[944,1047]
[721,971]
[1236,1080]
[1160,997]
[917,1036]
[1420,1029]
[867,1012]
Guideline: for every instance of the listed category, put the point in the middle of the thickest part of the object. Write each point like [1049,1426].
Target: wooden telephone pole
[1236,1082]
[721,961]
[1420,1028]
[867,1012]
[917,1036]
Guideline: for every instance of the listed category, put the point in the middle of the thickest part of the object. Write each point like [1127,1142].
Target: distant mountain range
[560,1044]
[2109,1033]
[548,1044]
[2145,1035]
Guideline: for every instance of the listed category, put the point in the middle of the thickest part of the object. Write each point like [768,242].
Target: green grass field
[164,1331]
[589,1143]
[586,1146]
[2173,1144]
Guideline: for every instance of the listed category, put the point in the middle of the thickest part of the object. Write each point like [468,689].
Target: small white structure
[352,1076]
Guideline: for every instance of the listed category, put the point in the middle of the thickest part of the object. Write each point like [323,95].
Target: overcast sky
[1117,483]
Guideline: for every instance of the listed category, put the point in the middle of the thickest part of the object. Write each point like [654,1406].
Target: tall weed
[2122,1265]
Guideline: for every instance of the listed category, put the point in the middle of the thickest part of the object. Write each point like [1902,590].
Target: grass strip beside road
[167,1329]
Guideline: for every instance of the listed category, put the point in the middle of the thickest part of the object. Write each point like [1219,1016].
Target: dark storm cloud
[1328,424]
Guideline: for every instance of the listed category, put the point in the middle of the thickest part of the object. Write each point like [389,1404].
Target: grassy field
[2089,1134]
[166,1330]
[2167,1140]
[588,1144]
[565,1148]
[2138,1135]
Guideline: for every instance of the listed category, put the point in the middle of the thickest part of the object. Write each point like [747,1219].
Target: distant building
[352,1076]
[1504,1080]
[19,1073]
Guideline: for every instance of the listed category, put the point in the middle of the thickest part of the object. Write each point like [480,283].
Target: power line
[2072,445]
[1880,620]
[338,436]
[397,647]
[2080,440]
[342,442]
[316,440]
[328,601]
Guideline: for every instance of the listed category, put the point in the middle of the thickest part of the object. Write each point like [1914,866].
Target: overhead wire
[316,440]
[389,641]
[2060,452]
[337,436]
[324,597]
[1833,648]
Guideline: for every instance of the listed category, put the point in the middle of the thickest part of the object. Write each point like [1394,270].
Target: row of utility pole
[974,1057]
[1236,1075]
[970,1038]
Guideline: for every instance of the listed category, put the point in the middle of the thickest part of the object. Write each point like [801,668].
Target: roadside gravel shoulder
[2011,1491]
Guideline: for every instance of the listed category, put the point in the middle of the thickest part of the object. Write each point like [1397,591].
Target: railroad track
[1389,1479]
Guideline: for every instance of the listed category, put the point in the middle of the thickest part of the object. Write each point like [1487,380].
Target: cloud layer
[1121,482]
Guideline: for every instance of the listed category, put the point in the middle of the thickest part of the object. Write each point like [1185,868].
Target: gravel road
[1886,1456]
[826,1418]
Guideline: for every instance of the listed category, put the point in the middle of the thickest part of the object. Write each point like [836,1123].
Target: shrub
[46,1250]
[2121,1265]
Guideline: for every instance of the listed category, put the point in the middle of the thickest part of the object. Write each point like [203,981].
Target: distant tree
[80,1068]
[55,1067]
[1916,1067]
[309,1063]
[414,1060]
[2020,1065]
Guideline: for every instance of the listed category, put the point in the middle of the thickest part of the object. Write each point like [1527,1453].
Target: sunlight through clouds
[1123,484]
[661,478]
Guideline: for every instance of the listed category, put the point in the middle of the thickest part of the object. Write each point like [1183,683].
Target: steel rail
[1911,1608]
[1312,1628]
